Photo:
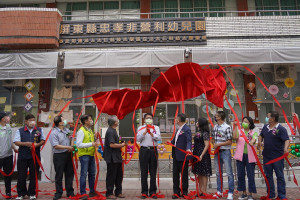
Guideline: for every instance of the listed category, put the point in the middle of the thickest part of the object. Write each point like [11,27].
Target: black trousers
[23,166]
[7,165]
[177,168]
[148,162]
[114,177]
[63,165]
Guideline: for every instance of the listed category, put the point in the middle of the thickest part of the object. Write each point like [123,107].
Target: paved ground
[131,189]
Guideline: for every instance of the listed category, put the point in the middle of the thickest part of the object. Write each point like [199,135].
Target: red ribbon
[12,171]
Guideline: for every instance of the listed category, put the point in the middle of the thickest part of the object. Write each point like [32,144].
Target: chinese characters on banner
[133,32]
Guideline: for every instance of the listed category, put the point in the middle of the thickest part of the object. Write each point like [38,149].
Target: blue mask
[216,119]
[267,120]
[65,123]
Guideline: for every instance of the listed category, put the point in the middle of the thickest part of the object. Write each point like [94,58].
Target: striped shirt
[147,140]
[59,137]
[5,141]
[222,133]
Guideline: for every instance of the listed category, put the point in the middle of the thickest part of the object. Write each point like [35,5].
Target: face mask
[65,123]
[245,125]
[31,123]
[216,119]
[267,120]
[149,121]
[91,122]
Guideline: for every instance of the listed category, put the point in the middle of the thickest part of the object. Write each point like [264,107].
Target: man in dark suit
[182,140]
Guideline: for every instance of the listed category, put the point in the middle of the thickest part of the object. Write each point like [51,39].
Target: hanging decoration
[29,85]
[285,95]
[198,102]
[234,92]
[298,98]
[273,89]
[257,102]
[161,149]
[226,104]
[250,87]
[204,108]
[289,82]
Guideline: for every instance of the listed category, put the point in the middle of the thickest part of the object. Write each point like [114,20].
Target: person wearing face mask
[182,140]
[148,136]
[86,149]
[113,158]
[245,158]
[62,157]
[222,137]
[276,143]
[6,153]
[25,138]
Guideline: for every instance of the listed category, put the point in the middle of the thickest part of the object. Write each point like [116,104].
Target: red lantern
[297,150]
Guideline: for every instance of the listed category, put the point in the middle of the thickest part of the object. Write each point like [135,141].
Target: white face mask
[149,121]
[91,122]
[65,123]
[31,124]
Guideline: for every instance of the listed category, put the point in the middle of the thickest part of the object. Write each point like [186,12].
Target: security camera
[187,52]
[61,55]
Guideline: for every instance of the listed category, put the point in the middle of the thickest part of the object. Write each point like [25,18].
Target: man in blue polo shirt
[276,143]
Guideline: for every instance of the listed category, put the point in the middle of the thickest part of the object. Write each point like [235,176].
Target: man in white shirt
[148,136]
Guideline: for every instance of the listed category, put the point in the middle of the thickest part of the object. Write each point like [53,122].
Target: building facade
[93,46]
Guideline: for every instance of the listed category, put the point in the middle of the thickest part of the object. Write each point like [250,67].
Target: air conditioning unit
[230,74]
[73,78]
[13,83]
[283,71]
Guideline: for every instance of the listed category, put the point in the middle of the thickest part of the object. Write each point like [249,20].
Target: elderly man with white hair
[113,158]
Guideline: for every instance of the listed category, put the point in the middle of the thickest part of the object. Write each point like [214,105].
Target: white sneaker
[230,196]
[32,197]
[218,195]
[20,198]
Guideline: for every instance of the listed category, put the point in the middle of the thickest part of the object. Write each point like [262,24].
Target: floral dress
[202,168]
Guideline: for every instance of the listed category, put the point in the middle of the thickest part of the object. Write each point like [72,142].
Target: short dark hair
[57,120]
[29,116]
[274,114]
[182,117]
[84,118]
[251,125]
[203,125]
[222,115]
[145,115]
[111,121]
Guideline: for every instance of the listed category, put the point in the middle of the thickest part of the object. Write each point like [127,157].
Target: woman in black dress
[201,144]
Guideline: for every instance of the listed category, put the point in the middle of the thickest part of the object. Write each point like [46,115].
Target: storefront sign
[133,32]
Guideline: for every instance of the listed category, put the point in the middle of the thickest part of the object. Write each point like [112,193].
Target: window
[15,99]
[164,6]
[32,5]
[277,5]
[187,6]
[288,104]
[132,81]
[216,5]
[103,10]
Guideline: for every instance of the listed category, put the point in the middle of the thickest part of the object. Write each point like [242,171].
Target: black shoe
[8,196]
[92,194]
[154,197]
[71,195]
[56,197]
[174,197]
[184,194]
